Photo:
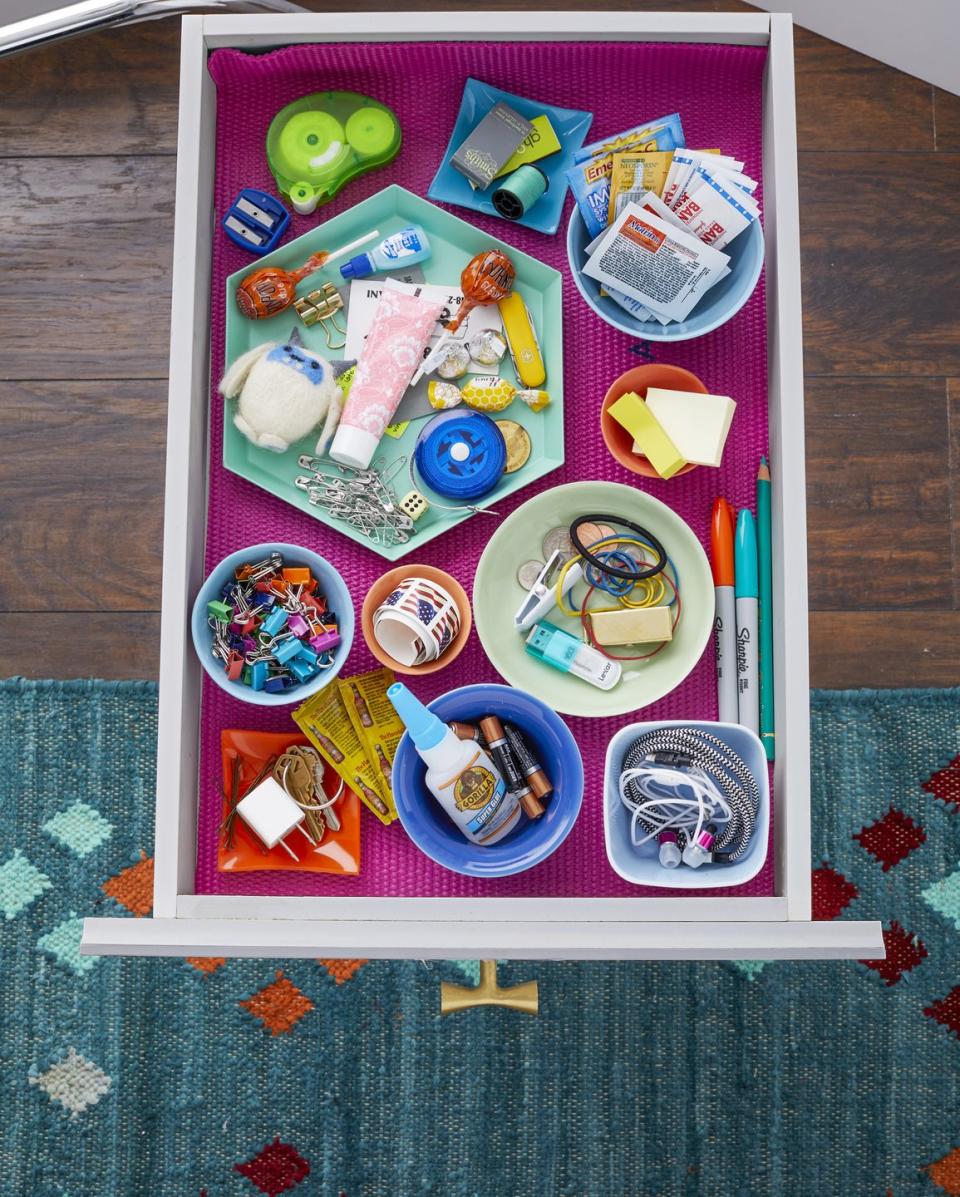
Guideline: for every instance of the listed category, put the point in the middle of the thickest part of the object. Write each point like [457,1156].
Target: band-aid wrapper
[684,163]
[663,267]
[734,179]
[717,214]
[589,177]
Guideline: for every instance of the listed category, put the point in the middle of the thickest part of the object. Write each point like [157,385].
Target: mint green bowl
[497,595]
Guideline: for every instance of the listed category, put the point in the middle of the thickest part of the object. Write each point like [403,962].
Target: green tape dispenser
[320,142]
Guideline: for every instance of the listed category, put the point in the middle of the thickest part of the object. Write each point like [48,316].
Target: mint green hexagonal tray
[454,243]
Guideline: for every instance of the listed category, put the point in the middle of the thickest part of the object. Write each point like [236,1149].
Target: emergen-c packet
[663,267]
[593,164]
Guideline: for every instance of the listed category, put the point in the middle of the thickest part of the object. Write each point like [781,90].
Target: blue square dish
[570,126]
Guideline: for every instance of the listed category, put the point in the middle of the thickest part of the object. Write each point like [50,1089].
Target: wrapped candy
[487,347]
[486,393]
[487,278]
[269,290]
[454,360]
[443,395]
[265,292]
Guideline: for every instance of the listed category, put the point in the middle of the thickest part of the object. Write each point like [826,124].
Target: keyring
[613,570]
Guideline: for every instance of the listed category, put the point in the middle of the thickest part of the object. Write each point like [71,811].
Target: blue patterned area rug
[321,1078]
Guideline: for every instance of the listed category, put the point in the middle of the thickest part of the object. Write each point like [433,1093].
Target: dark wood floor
[87,164]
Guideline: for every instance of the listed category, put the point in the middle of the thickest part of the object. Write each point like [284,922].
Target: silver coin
[557,540]
[528,573]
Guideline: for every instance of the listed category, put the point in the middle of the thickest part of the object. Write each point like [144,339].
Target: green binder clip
[317,144]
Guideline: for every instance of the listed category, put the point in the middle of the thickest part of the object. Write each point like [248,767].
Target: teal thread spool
[519,191]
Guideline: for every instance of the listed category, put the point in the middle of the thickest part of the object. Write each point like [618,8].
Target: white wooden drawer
[185,923]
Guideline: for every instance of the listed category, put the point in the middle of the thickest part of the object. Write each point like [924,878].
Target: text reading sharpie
[747,592]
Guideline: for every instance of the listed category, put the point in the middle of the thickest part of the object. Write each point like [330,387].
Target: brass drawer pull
[523,997]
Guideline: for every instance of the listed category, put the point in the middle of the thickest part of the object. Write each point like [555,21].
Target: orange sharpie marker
[725,622]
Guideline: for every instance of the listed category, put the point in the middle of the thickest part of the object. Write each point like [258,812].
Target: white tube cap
[354,446]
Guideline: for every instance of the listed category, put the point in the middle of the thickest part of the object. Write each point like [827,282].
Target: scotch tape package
[664,268]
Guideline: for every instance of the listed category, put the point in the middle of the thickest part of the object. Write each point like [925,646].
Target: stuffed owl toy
[285,391]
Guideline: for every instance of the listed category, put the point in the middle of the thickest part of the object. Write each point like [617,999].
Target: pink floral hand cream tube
[391,353]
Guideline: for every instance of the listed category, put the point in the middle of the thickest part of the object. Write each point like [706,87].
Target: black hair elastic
[615,570]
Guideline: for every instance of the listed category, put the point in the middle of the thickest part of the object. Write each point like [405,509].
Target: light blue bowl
[641,866]
[716,307]
[533,840]
[338,600]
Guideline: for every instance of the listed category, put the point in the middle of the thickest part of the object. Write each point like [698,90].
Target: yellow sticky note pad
[632,413]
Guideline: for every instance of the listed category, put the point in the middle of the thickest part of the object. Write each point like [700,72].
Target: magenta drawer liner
[718,91]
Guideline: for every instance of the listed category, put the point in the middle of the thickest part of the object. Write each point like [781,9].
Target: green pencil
[765,553]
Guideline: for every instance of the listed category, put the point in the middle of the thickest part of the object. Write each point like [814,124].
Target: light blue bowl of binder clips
[338,599]
[641,865]
[716,306]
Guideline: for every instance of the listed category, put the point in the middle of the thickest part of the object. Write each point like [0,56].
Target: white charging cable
[691,792]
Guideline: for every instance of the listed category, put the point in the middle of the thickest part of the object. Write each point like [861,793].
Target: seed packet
[634,174]
[666,269]
[593,165]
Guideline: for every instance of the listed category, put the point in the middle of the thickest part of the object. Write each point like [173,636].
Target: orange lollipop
[271,289]
[487,278]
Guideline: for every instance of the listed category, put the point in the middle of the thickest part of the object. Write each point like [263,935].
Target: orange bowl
[386,585]
[616,437]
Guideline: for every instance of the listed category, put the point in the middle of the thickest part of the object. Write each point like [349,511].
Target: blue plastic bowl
[534,839]
[716,307]
[338,600]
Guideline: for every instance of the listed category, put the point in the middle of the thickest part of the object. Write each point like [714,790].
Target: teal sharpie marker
[747,593]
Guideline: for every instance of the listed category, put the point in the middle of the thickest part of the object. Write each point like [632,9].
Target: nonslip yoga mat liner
[718,91]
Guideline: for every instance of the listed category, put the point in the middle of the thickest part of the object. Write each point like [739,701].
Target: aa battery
[499,747]
[530,767]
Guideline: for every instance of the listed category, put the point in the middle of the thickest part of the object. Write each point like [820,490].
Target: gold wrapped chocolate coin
[519,445]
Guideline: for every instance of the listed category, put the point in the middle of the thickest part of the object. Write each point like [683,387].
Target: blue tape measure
[461,455]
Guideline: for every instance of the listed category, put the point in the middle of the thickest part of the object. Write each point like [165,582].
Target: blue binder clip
[256,221]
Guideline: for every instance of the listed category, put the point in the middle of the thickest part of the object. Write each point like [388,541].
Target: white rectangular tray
[185,923]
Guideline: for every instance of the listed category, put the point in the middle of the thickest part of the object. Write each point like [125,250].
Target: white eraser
[270,812]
